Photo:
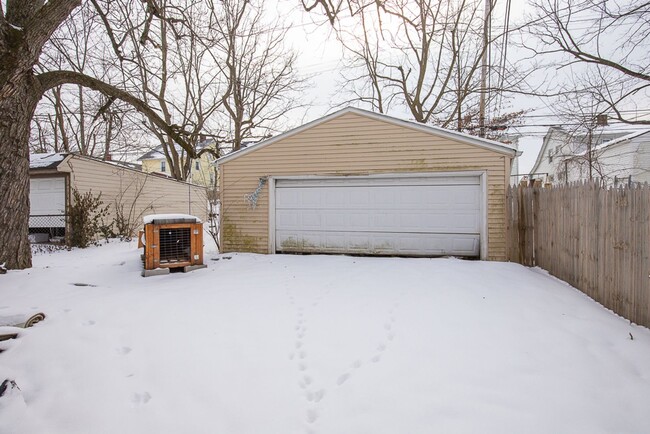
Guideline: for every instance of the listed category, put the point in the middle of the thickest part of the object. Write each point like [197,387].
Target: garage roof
[436,131]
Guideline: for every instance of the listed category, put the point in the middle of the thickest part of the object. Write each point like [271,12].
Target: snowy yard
[324,344]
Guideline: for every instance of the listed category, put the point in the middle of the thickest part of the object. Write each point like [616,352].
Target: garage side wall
[351,145]
[137,192]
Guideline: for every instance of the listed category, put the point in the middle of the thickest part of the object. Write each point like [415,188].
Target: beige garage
[365,183]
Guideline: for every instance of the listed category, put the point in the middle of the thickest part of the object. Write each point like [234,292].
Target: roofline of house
[622,139]
[455,135]
[541,153]
[159,150]
[602,146]
[70,156]
[53,168]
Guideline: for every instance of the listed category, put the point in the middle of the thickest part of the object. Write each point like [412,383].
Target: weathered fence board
[594,238]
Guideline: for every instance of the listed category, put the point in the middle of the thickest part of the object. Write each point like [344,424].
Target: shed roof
[429,129]
[48,160]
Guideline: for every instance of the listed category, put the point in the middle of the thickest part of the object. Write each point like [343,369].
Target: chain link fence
[47,228]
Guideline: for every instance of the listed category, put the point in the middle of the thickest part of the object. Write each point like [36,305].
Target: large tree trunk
[24,28]
[16,112]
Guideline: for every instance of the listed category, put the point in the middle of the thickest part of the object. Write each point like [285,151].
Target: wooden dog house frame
[172,242]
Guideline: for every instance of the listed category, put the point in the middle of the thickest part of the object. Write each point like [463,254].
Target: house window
[163,166]
[197,165]
[550,155]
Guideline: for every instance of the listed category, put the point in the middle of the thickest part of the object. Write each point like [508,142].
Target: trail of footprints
[382,346]
[137,398]
[314,394]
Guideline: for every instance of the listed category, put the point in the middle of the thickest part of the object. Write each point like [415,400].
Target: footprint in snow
[312,415]
[319,395]
[88,323]
[141,398]
[123,351]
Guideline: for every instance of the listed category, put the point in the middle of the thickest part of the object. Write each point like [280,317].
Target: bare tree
[167,63]
[583,125]
[81,120]
[424,55]
[25,27]
[607,44]
[258,70]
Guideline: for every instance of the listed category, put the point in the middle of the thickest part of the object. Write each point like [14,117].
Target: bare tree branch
[51,79]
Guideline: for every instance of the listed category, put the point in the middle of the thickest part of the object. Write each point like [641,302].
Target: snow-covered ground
[324,344]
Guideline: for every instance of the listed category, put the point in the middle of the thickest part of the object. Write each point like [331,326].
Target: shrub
[86,218]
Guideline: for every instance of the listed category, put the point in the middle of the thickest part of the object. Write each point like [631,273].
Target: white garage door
[46,198]
[425,216]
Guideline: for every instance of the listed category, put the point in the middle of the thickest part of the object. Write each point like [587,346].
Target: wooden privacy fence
[594,238]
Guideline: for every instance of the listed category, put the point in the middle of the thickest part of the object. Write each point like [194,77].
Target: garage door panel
[420,216]
[378,181]
[311,220]
[389,244]
[378,197]
[47,197]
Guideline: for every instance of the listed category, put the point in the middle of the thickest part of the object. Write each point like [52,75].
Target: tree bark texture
[24,29]
[15,117]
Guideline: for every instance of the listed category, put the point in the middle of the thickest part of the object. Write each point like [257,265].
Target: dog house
[171,241]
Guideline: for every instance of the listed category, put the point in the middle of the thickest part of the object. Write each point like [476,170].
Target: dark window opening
[175,245]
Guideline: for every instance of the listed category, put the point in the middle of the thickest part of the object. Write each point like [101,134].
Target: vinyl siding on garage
[154,194]
[352,144]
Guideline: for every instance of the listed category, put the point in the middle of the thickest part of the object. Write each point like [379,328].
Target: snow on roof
[623,139]
[46,160]
[170,218]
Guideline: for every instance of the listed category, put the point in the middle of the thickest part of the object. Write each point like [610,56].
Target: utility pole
[484,67]
[590,153]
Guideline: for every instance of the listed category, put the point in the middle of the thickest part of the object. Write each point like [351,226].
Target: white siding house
[626,159]
[616,156]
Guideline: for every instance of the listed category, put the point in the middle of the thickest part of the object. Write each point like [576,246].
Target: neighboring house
[54,176]
[202,172]
[512,140]
[361,182]
[625,159]
[565,157]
